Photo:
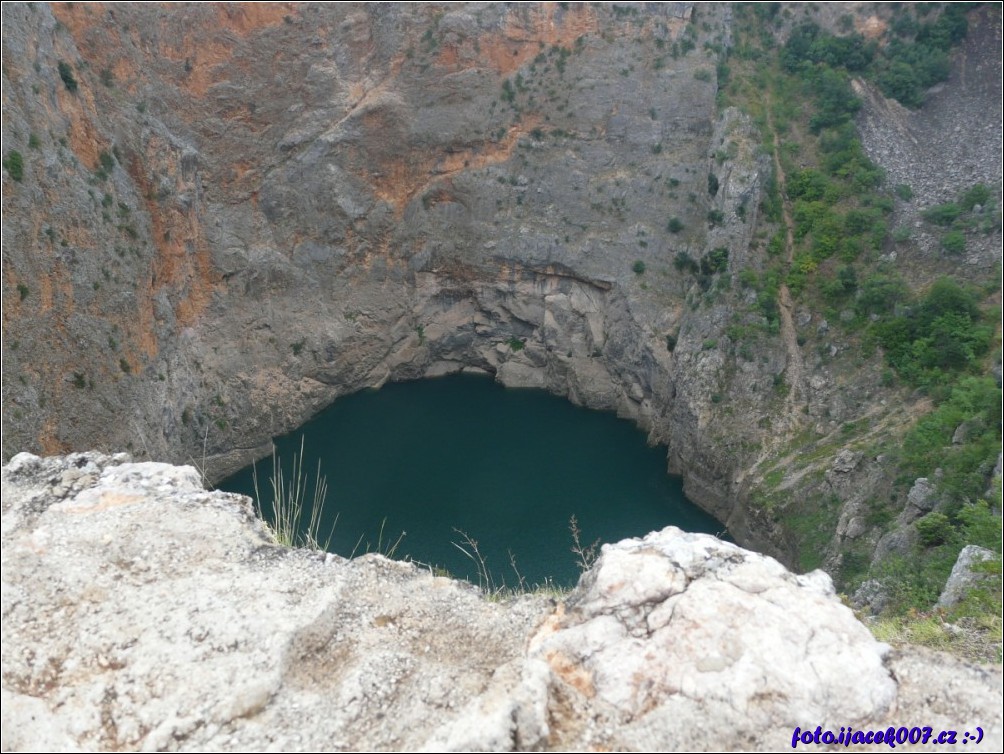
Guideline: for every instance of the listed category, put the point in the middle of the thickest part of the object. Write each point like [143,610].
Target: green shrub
[685,263]
[954,242]
[717,260]
[808,184]
[980,525]
[966,466]
[942,214]
[107,162]
[638,267]
[675,225]
[934,529]
[838,288]
[947,296]
[22,291]
[944,335]
[14,164]
[835,100]
[775,247]
[516,344]
[977,195]
[904,192]
[712,184]
[880,294]
[66,74]
[508,92]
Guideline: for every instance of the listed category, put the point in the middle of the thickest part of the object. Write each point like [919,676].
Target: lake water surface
[509,468]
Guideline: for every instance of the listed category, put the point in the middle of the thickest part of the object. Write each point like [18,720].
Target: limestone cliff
[142,612]
[230,215]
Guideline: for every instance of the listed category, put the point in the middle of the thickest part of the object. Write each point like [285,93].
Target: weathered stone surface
[845,462]
[963,577]
[143,612]
[870,596]
[681,626]
[922,498]
[897,541]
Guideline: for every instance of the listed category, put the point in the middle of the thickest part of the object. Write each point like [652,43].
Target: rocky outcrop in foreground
[143,612]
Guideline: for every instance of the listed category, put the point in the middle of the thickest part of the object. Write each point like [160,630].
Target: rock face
[144,612]
[252,210]
[963,577]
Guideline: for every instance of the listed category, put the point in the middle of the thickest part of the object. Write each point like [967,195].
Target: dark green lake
[507,467]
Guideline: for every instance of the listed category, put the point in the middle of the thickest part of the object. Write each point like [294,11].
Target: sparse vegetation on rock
[66,74]
[14,165]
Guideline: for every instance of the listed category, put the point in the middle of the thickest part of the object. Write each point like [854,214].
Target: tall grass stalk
[289,499]
[584,556]
[386,549]
[498,590]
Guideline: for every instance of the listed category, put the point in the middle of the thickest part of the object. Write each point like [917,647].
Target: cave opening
[432,465]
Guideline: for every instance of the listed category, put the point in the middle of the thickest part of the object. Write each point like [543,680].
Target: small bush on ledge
[66,74]
[14,165]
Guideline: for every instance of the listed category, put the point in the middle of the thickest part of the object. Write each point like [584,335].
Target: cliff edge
[143,612]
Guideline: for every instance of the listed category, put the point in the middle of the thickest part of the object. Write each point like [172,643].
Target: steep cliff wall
[237,213]
[297,202]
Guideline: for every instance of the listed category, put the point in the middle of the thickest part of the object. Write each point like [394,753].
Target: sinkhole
[427,467]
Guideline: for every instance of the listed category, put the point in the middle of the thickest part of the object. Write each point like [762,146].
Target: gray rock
[922,498]
[138,597]
[963,578]
[966,430]
[856,526]
[871,596]
[896,542]
[846,461]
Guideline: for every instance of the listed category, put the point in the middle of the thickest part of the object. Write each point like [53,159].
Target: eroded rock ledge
[143,612]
